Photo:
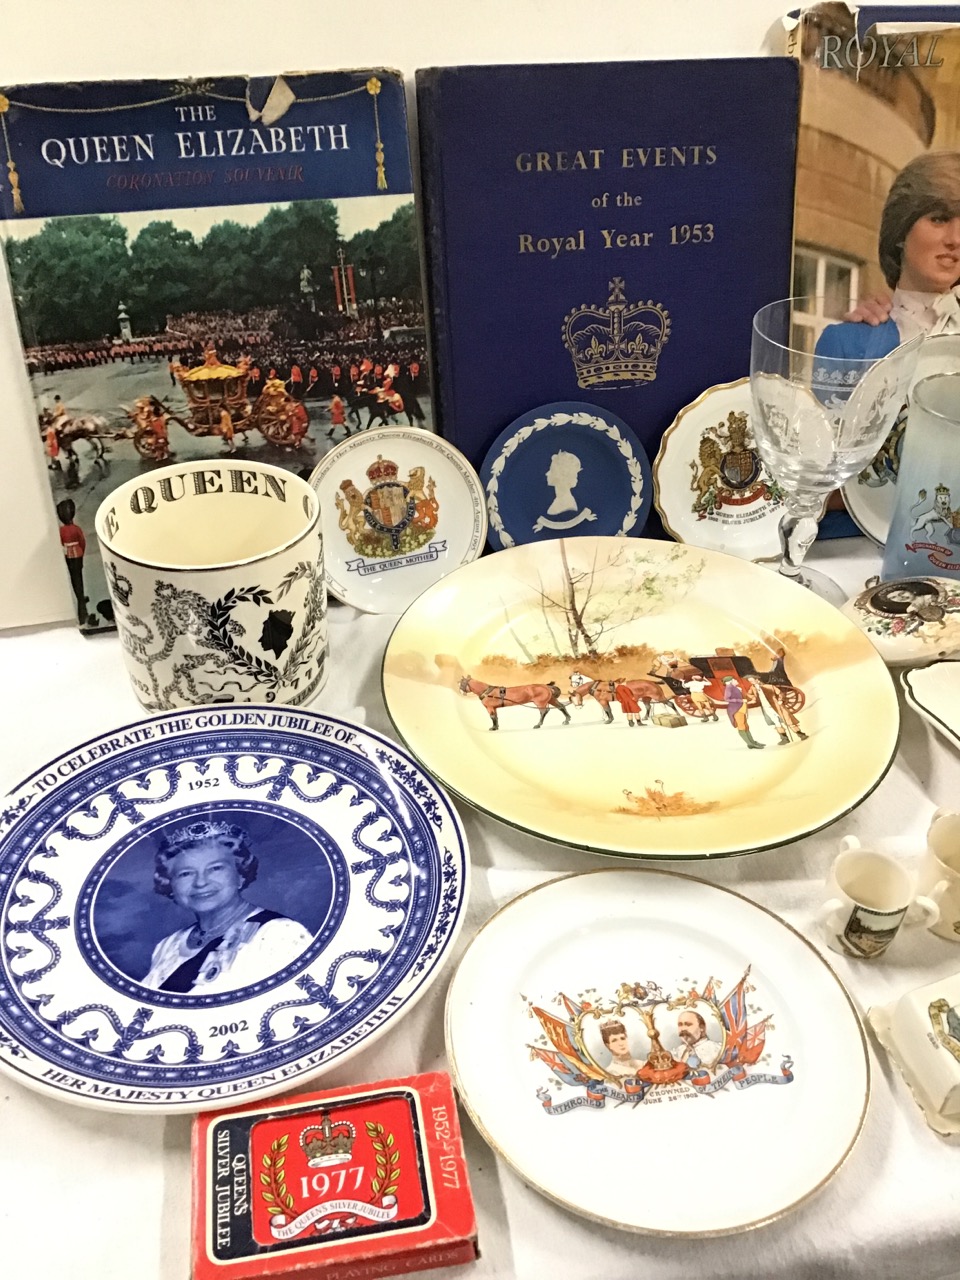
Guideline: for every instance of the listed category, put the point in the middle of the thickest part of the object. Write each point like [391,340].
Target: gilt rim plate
[566,468]
[633,994]
[213,905]
[710,485]
[641,698]
[400,508]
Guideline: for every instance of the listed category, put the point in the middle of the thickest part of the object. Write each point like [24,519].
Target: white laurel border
[562,420]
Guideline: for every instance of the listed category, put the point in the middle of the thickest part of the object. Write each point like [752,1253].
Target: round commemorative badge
[217,904]
[565,469]
[401,508]
[711,486]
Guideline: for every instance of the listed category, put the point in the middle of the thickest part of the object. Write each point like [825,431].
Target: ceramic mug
[868,897]
[940,872]
[215,571]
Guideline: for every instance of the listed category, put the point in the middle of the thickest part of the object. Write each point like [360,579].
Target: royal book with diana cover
[601,232]
[878,163]
[214,267]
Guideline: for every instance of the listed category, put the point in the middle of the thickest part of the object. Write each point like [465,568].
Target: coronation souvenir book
[601,232]
[204,268]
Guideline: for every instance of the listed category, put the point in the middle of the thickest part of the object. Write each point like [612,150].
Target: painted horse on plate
[605,692]
[497,696]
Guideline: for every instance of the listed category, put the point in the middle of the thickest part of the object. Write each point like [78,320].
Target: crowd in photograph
[350,357]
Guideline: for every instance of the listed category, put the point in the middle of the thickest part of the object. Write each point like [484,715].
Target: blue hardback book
[601,232]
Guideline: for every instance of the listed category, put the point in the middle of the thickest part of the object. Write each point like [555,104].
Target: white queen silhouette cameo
[562,476]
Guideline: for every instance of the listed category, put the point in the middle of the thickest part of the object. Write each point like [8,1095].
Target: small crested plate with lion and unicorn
[401,508]
[641,698]
[711,486]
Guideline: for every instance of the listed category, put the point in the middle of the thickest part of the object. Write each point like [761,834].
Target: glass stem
[798,530]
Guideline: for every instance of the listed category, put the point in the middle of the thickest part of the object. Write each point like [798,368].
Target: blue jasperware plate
[562,470]
[216,904]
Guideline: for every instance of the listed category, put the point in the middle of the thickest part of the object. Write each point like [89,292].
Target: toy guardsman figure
[74,548]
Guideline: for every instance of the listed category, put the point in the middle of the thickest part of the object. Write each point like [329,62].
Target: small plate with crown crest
[710,484]
[565,469]
[401,508]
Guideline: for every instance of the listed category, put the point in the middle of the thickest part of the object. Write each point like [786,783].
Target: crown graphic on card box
[328,1144]
[617,345]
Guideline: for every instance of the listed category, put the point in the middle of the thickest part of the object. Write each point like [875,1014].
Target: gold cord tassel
[373,88]
[14,177]
[15,187]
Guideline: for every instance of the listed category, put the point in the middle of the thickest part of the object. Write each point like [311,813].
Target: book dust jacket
[207,268]
[878,168]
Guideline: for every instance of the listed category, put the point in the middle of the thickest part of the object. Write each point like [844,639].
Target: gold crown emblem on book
[617,345]
[328,1143]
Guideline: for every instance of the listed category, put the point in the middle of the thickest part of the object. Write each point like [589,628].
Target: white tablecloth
[98,1196]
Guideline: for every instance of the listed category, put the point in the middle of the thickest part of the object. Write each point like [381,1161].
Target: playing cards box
[359,1182]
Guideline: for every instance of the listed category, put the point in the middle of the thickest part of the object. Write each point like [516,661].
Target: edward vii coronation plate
[641,698]
[216,904]
[649,1027]
[711,486]
[401,508]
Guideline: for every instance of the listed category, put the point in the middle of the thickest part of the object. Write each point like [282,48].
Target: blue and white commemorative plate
[215,904]
[564,469]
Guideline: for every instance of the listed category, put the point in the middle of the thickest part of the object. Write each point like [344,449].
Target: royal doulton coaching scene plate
[651,1032]
[565,469]
[641,698]
[710,485]
[401,508]
[214,905]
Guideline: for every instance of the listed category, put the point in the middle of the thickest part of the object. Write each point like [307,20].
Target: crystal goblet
[818,420]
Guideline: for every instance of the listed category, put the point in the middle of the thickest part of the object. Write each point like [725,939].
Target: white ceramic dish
[934,692]
[737,1047]
[401,508]
[655,761]
[214,905]
[710,486]
[921,1032]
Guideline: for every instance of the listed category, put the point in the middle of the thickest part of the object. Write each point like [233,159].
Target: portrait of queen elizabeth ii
[204,868]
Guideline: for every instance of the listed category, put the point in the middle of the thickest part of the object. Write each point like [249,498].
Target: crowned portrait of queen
[204,867]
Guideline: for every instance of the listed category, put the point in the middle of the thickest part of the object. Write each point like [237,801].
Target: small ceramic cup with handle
[215,572]
[869,896]
[940,872]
